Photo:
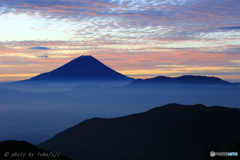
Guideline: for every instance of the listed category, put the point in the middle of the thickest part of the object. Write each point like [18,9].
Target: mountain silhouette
[80,71]
[83,68]
[182,80]
[169,132]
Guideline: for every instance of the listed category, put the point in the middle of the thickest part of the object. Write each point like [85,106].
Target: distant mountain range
[186,79]
[180,81]
[88,70]
[169,132]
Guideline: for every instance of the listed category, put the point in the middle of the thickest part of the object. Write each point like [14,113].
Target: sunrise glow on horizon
[140,39]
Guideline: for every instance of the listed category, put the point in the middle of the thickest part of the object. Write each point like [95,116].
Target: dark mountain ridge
[182,82]
[83,68]
[80,71]
[186,79]
[169,132]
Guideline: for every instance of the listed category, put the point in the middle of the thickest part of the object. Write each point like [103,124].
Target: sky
[138,38]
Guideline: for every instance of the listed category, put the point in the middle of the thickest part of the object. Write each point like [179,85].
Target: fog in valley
[37,112]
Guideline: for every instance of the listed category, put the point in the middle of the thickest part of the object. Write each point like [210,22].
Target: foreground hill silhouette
[169,132]
[23,150]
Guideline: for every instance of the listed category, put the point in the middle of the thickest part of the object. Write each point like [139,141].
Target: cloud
[181,20]
[40,48]
[108,59]
[156,11]
[133,34]
[230,28]
[43,56]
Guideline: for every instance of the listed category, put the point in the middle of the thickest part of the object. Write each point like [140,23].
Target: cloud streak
[230,28]
[40,48]
[43,56]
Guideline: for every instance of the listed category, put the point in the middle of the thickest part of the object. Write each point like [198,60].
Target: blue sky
[143,38]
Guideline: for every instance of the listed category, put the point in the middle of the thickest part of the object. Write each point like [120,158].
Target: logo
[213,154]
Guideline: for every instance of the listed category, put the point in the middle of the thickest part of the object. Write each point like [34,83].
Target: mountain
[83,68]
[182,80]
[23,150]
[168,132]
[32,137]
[80,71]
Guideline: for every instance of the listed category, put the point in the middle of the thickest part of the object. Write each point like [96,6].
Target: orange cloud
[18,59]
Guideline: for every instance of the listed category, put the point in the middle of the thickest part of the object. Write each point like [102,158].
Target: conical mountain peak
[83,68]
